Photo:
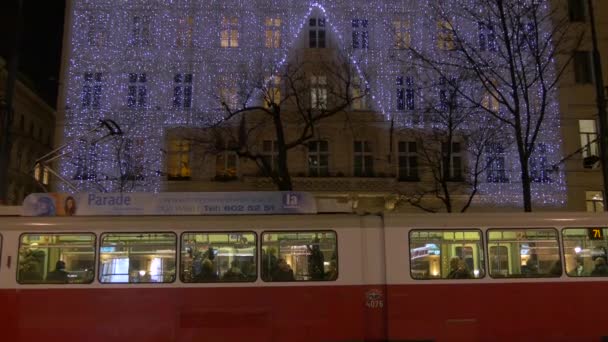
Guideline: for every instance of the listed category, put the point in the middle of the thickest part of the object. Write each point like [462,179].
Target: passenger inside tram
[299,256]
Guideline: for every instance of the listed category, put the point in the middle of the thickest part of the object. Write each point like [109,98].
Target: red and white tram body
[394,280]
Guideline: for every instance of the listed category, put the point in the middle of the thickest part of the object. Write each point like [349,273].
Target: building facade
[162,69]
[31,136]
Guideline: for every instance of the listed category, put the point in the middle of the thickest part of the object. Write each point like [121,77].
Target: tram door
[373,258]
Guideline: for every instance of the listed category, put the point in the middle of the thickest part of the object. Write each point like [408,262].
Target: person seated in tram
[332,273]
[234,273]
[556,269]
[601,269]
[59,275]
[458,269]
[530,269]
[283,272]
[207,273]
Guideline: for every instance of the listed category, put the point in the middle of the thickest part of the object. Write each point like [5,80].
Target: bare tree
[117,163]
[453,129]
[289,104]
[517,52]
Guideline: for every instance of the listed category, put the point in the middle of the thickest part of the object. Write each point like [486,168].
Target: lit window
[364,159]
[408,161]
[41,174]
[227,165]
[403,34]
[489,100]
[437,254]
[316,33]
[588,134]
[182,91]
[359,92]
[273,33]
[360,34]
[272,92]
[595,201]
[138,90]
[218,257]
[531,253]
[299,256]
[318,92]
[179,160]
[229,35]
[445,36]
[184,32]
[318,158]
[452,166]
[137,258]
[56,259]
[91,90]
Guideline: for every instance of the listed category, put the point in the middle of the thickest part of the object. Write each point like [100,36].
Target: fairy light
[131,37]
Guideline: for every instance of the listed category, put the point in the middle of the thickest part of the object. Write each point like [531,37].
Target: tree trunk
[284,183]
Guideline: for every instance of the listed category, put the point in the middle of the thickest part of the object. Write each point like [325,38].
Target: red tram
[324,277]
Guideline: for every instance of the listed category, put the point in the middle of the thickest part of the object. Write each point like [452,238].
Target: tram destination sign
[169,203]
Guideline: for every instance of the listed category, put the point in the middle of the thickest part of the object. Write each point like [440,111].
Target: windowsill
[179,178]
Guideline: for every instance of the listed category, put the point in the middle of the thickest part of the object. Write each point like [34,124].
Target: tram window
[532,253]
[137,258]
[446,254]
[299,256]
[585,251]
[218,257]
[56,258]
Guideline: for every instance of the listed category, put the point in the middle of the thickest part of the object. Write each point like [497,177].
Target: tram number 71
[595,233]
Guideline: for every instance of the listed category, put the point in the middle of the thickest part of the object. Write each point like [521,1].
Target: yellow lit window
[227,165]
[403,35]
[229,34]
[184,32]
[179,159]
[273,33]
[490,99]
[273,91]
[445,36]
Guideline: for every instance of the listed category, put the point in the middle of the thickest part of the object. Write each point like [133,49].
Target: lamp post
[601,103]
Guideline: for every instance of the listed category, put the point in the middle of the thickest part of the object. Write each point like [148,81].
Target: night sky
[40,53]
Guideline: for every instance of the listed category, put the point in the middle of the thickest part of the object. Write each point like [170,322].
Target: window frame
[314,32]
[257,249]
[337,250]
[521,276]
[408,155]
[366,169]
[563,256]
[481,242]
[317,153]
[95,256]
[177,247]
